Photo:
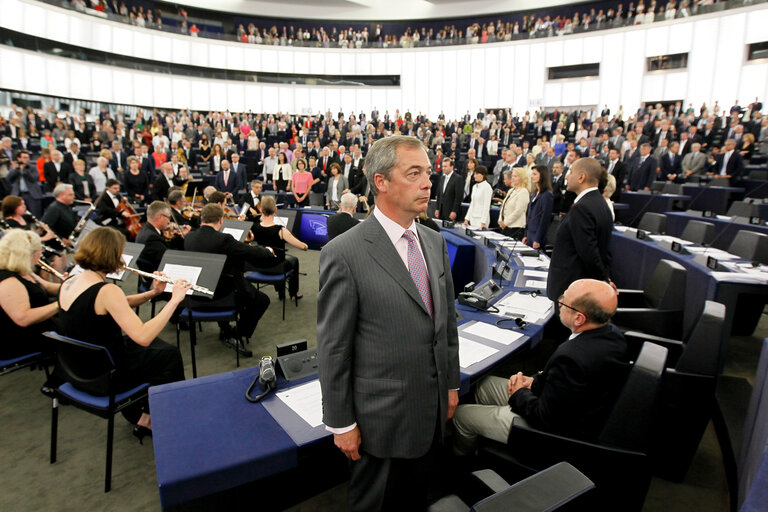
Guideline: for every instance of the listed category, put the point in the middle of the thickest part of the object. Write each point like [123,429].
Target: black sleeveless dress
[16,340]
[159,363]
[269,236]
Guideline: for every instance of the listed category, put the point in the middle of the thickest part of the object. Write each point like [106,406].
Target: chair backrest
[758,175]
[629,425]
[742,209]
[750,245]
[720,182]
[657,186]
[666,287]
[86,366]
[705,344]
[554,225]
[672,188]
[545,491]
[653,222]
[699,232]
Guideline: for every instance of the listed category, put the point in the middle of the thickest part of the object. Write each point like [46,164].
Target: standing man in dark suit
[616,168]
[250,303]
[582,245]
[226,181]
[729,163]
[450,191]
[388,386]
[56,171]
[163,183]
[642,174]
[344,220]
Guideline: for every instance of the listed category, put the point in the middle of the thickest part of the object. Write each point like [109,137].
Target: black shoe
[237,344]
[141,433]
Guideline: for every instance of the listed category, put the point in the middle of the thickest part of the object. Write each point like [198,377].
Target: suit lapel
[383,252]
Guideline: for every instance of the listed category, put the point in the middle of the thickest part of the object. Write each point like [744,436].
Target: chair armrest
[632,299]
[667,323]
[635,340]
[491,480]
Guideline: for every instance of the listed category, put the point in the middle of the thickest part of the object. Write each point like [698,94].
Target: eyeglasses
[563,304]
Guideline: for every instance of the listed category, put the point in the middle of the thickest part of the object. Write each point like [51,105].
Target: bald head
[592,304]
[584,173]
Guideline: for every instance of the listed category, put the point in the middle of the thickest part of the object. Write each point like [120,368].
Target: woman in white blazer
[479,213]
[282,172]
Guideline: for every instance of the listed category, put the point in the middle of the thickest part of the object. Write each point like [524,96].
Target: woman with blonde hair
[25,307]
[98,312]
[515,204]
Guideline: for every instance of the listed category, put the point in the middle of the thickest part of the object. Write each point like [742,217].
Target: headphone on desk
[519,322]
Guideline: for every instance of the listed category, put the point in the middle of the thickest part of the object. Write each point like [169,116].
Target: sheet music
[306,401]
[471,352]
[532,283]
[283,221]
[493,333]
[186,272]
[77,269]
[236,233]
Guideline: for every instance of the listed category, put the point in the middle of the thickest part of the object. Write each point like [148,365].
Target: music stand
[210,267]
[239,229]
[130,255]
[195,186]
[90,225]
[289,217]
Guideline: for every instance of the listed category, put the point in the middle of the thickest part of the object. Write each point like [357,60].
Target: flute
[164,279]
[52,270]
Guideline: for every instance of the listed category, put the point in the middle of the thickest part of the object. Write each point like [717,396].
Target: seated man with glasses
[575,392]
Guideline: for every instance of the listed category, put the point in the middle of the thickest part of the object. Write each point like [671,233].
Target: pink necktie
[418,271]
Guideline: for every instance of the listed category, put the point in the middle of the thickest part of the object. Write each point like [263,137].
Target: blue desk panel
[645,202]
[209,438]
[714,199]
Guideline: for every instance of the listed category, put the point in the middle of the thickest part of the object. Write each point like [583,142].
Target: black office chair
[89,371]
[750,245]
[760,175]
[653,222]
[618,461]
[688,392]
[699,232]
[554,225]
[658,307]
[550,489]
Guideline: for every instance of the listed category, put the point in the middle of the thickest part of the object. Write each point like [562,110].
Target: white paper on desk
[492,235]
[723,217]
[282,221]
[738,277]
[186,272]
[670,239]
[536,273]
[493,333]
[236,233]
[715,253]
[532,283]
[530,261]
[621,228]
[306,401]
[471,352]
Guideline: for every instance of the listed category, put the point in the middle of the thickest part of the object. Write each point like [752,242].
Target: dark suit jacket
[123,163]
[391,378]
[582,246]
[30,176]
[340,223]
[232,183]
[668,167]
[155,246]
[734,167]
[574,394]
[160,188]
[642,173]
[620,173]
[538,218]
[208,240]
[450,200]
[77,185]
[108,215]
[147,166]
[52,177]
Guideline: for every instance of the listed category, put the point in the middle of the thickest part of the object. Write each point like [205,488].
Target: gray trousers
[490,417]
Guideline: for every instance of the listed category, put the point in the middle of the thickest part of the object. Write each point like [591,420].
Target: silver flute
[164,279]
[52,270]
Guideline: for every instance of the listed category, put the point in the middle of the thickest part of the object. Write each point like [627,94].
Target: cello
[132,223]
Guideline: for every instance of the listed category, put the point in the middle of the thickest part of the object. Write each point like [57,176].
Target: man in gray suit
[693,163]
[386,335]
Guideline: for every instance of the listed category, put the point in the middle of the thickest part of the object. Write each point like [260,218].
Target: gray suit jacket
[383,362]
[694,164]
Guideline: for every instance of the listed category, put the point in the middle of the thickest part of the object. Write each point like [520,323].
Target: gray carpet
[76,481]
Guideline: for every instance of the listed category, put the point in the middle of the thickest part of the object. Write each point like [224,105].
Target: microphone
[267,379]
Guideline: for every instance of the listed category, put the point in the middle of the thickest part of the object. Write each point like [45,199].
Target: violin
[172,230]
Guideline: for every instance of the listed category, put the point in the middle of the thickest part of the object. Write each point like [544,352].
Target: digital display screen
[313,229]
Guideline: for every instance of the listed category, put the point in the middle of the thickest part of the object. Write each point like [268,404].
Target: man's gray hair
[508,174]
[61,188]
[157,208]
[348,201]
[382,157]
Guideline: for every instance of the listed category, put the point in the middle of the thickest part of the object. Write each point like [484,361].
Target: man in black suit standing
[450,191]
[56,171]
[729,163]
[344,219]
[671,162]
[643,172]
[558,399]
[250,303]
[616,168]
[582,246]
[226,181]
[163,183]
